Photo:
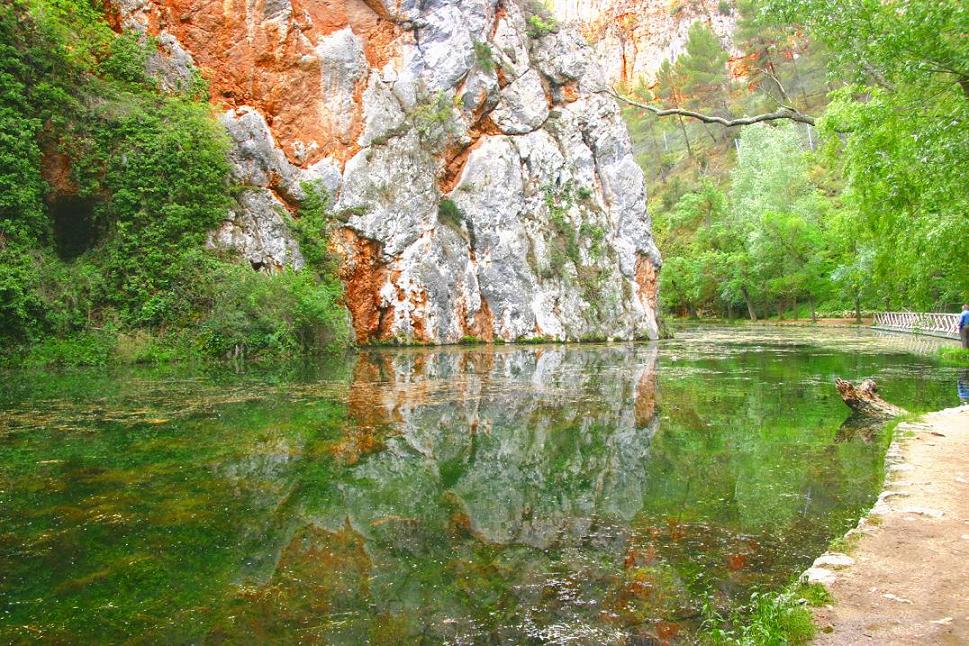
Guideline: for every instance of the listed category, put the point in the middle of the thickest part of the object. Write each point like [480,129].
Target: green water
[507,494]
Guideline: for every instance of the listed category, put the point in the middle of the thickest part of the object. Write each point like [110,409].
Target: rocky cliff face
[483,185]
[631,38]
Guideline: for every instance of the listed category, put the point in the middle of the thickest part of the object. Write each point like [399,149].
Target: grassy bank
[768,619]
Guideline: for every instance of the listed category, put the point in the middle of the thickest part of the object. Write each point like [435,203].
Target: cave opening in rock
[74,228]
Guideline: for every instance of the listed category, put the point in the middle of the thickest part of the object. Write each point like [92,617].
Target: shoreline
[901,576]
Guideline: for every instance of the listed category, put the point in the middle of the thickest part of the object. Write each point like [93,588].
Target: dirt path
[909,583]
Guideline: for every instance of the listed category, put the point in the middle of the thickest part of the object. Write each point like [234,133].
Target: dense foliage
[900,135]
[108,189]
[865,212]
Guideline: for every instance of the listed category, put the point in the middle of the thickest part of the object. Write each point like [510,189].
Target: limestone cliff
[483,185]
[631,38]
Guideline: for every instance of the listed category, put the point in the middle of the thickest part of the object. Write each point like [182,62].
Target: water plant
[954,357]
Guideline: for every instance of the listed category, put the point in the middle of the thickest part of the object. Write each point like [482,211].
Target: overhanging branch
[785,112]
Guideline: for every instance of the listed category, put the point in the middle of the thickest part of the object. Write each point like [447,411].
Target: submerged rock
[482,185]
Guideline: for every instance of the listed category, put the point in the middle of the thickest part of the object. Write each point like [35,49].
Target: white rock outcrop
[481,183]
[632,38]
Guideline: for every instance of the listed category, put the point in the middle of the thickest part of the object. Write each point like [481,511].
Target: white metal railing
[934,323]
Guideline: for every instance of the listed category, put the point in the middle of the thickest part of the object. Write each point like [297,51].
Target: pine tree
[669,88]
[703,68]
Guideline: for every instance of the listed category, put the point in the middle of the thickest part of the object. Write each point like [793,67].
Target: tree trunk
[652,134]
[814,314]
[729,310]
[750,304]
[686,137]
[779,305]
[857,310]
[710,134]
[797,81]
[692,311]
[795,307]
[864,399]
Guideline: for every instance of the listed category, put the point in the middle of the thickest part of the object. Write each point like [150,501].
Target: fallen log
[864,399]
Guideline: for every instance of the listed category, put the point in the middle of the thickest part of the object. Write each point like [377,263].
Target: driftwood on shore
[864,400]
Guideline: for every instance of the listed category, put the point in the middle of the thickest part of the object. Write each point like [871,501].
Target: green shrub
[539,18]
[91,348]
[240,313]
[310,228]
[165,171]
[593,232]
[71,293]
[449,214]
[484,56]
[21,308]
[556,261]
[539,26]
[126,60]
[234,312]
[769,619]
[435,122]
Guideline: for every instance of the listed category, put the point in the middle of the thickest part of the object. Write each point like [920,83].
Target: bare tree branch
[785,112]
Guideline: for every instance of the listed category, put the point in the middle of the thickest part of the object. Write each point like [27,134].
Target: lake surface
[490,494]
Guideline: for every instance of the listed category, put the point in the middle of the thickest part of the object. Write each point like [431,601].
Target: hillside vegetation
[108,188]
[867,210]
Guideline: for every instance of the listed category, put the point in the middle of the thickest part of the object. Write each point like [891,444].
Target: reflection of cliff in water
[532,445]
[491,466]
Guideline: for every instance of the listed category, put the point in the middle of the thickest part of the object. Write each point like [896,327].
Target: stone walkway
[906,577]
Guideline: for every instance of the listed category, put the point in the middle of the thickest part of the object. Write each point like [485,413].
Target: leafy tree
[921,42]
[771,173]
[907,178]
[780,209]
[900,135]
[703,68]
[766,44]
